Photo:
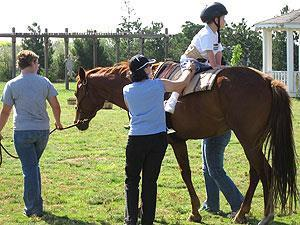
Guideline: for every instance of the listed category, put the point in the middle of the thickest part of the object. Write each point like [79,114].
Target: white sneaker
[170,106]
[170,131]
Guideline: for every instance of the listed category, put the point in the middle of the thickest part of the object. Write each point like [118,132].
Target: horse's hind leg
[181,154]
[246,205]
[262,169]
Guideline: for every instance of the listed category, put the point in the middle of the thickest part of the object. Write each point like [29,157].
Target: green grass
[83,175]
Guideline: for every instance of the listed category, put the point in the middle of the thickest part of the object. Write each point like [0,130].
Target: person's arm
[219,58]
[181,83]
[4,115]
[56,111]
[212,59]
[174,85]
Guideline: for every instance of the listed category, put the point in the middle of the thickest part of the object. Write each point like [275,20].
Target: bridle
[78,108]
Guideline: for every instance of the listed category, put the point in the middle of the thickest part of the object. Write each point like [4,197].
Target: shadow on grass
[164,222]
[254,221]
[54,219]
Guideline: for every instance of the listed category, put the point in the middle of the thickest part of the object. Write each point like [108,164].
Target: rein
[16,157]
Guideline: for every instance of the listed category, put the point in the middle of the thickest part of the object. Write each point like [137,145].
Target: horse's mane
[121,68]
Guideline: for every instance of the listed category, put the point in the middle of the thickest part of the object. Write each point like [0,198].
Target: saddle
[202,81]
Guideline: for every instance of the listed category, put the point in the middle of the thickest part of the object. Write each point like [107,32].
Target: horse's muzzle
[84,125]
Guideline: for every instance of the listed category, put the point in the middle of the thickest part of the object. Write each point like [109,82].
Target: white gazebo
[289,23]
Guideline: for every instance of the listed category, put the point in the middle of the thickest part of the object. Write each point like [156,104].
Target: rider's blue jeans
[30,145]
[216,179]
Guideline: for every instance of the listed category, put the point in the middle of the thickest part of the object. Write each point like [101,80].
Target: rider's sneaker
[170,106]
[170,131]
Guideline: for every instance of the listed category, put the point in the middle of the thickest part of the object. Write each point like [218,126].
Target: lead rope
[16,157]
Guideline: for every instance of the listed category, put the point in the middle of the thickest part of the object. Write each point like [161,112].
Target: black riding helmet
[212,11]
[215,10]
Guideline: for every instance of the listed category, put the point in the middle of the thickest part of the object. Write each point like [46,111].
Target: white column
[299,52]
[290,63]
[267,50]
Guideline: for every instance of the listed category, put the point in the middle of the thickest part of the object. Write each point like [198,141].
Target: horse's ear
[81,73]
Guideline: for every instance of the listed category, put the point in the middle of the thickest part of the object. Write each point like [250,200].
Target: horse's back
[240,99]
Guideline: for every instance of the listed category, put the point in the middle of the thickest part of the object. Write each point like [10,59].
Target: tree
[279,47]
[130,25]
[36,44]
[237,53]
[5,59]
[249,40]
[179,42]
[83,49]
[57,69]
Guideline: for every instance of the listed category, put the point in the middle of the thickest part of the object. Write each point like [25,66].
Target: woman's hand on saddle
[58,125]
[220,67]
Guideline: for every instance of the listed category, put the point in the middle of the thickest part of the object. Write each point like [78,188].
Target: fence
[282,76]
[90,34]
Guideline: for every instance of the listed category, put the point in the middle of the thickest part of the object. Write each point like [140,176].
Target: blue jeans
[30,145]
[200,67]
[215,177]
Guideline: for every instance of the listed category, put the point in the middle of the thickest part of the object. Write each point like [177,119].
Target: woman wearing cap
[147,141]
[205,47]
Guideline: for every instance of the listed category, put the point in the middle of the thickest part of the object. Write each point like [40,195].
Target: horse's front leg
[181,153]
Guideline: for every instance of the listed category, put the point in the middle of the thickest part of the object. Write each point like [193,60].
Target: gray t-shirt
[28,94]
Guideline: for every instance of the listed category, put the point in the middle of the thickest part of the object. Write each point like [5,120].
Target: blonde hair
[25,58]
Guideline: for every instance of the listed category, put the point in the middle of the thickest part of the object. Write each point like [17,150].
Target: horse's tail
[281,147]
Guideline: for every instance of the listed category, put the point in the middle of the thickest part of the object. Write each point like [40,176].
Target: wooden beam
[13,53]
[46,53]
[66,39]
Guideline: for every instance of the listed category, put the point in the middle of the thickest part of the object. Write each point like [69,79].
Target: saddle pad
[202,81]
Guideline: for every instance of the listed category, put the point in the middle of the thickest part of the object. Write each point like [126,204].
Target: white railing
[297,83]
[282,76]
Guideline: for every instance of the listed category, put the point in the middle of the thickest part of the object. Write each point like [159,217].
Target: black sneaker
[33,215]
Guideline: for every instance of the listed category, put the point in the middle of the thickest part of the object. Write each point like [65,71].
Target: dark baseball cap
[139,62]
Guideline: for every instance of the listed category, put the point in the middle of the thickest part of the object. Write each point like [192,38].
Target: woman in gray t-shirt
[27,95]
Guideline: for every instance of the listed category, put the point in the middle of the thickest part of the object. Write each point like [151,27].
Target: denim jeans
[30,145]
[143,154]
[200,67]
[215,177]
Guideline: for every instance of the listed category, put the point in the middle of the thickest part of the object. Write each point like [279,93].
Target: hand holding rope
[15,157]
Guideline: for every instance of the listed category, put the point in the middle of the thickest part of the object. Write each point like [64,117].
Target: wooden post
[166,43]
[117,47]
[94,51]
[142,40]
[66,58]
[46,42]
[13,53]
[128,49]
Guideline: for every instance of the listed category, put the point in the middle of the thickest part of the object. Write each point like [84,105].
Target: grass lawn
[83,175]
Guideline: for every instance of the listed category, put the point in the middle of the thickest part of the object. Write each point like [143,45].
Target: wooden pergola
[90,34]
[289,23]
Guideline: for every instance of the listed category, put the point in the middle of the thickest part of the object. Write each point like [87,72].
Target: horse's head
[87,102]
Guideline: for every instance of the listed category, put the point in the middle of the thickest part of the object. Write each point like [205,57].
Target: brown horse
[252,104]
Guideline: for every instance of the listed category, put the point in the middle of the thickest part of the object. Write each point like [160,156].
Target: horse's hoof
[239,219]
[195,218]
[267,220]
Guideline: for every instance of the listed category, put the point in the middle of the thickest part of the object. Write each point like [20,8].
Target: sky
[105,15]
